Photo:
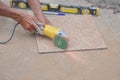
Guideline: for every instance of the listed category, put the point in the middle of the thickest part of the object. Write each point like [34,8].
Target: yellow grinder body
[50,31]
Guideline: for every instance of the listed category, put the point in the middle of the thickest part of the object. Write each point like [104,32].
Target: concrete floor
[19,59]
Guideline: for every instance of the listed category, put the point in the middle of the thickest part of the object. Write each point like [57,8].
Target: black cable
[11,34]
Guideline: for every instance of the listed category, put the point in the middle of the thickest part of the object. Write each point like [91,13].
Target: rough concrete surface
[19,59]
[108,4]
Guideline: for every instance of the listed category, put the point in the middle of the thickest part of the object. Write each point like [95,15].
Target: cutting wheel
[60,42]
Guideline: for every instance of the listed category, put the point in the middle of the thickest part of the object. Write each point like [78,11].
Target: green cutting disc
[60,42]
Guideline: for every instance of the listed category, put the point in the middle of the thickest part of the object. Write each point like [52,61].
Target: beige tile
[81,30]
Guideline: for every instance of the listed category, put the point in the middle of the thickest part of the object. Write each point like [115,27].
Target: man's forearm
[35,6]
[9,12]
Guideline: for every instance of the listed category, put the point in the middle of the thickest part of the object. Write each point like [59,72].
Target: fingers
[30,28]
[28,23]
[44,21]
[27,26]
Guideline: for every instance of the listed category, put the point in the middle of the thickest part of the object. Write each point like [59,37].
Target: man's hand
[27,21]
